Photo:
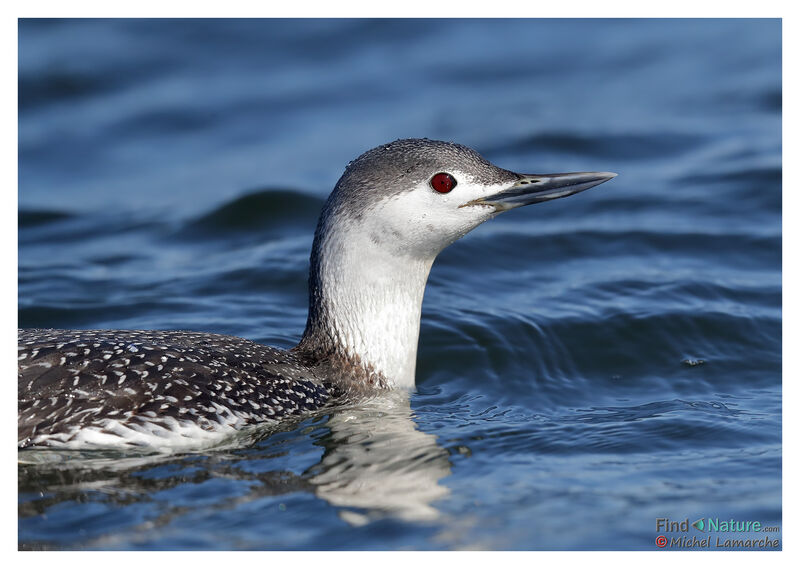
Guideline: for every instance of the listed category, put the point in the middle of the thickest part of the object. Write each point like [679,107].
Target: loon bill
[392,211]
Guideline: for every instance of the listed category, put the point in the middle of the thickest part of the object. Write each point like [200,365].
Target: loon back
[83,388]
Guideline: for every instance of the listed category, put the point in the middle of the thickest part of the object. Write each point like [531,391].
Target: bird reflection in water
[375,464]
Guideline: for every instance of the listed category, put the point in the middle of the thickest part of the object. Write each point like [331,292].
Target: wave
[35,217]
[269,211]
[643,145]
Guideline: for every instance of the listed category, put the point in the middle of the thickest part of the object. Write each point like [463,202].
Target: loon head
[417,196]
[393,210]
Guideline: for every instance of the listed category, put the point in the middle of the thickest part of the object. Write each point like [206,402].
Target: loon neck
[365,302]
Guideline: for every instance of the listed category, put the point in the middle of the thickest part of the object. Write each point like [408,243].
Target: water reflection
[374,463]
[377,460]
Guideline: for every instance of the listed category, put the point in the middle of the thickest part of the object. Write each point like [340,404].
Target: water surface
[586,365]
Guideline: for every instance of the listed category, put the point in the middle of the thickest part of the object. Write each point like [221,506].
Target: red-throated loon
[392,211]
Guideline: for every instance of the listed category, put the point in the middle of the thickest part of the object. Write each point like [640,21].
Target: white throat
[368,302]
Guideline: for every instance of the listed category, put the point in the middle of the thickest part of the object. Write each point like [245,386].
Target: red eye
[443,182]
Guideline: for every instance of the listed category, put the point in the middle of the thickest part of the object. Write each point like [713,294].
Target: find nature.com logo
[704,537]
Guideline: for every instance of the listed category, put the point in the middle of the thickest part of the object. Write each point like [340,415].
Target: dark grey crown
[401,165]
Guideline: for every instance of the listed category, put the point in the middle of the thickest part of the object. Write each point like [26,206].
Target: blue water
[586,365]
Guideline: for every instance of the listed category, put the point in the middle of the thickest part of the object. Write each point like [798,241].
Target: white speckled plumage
[98,388]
